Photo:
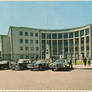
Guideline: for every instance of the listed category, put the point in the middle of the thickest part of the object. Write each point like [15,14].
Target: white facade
[22,42]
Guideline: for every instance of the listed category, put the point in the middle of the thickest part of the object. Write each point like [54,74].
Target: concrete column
[74,45]
[84,44]
[63,43]
[68,47]
[90,43]
[51,46]
[79,46]
[57,47]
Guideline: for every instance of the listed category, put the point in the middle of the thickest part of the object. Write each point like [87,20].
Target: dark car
[20,65]
[59,65]
[40,65]
[4,64]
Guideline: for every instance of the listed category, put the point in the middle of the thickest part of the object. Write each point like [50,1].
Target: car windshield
[60,61]
[40,61]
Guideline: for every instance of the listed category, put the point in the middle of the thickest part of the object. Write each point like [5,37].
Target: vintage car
[39,65]
[20,65]
[4,64]
[59,65]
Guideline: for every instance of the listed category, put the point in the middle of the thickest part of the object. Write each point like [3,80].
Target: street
[78,79]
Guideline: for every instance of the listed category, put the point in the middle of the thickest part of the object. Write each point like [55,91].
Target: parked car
[4,64]
[40,65]
[59,65]
[20,65]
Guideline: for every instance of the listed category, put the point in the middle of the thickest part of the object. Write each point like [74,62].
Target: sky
[44,15]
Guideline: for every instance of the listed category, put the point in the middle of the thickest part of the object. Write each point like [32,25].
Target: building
[22,42]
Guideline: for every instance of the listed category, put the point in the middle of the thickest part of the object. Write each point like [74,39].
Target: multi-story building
[22,42]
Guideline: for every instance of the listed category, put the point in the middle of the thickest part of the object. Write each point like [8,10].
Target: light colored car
[21,64]
[4,64]
[59,64]
[40,65]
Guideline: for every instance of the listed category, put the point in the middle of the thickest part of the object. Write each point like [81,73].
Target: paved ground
[78,79]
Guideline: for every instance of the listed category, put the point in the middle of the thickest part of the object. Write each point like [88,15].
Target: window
[87,31]
[43,35]
[36,34]
[36,41]
[71,35]
[76,34]
[21,48]
[65,35]
[26,33]
[31,41]
[26,41]
[32,48]
[81,32]
[21,40]
[21,56]
[37,48]
[54,36]
[31,34]
[59,35]
[21,33]
[26,48]
[49,35]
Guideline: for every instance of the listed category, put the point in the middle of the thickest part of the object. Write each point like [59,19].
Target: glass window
[71,35]
[26,33]
[59,35]
[26,48]
[21,40]
[26,41]
[49,35]
[36,41]
[21,33]
[37,48]
[65,35]
[87,31]
[21,48]
[43,35]
[76,34]
[32,48]
[31,34]
[36,34]
[81,32]
[54,36]
[31,41]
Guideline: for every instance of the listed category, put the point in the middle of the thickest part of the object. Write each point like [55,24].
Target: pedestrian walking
[75,61]
[85,61]
[71,65]
[89,61]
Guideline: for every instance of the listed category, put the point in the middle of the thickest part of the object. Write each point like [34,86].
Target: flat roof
[50,30]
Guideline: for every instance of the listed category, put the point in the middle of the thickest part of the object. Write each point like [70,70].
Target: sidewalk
[82,66]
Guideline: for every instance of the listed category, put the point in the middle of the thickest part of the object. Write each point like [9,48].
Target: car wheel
[31,69]
[53,69]
[40,67]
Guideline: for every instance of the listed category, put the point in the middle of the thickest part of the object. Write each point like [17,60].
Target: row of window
[59,36]
[27,34]
[27,41]
[27,48]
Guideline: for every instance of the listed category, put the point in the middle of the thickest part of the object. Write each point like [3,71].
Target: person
[71,63]
[89,62]
[85,61]
[75,62]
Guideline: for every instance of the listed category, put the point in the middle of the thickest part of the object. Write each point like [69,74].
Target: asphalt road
[78,79]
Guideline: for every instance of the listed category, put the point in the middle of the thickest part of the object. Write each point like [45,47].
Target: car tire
[53,69]
[31,69]
[40,67]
